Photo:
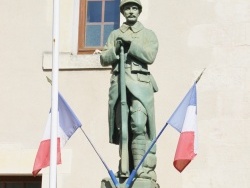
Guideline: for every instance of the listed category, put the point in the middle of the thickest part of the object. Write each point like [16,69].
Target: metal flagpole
[111,174]
[54,96]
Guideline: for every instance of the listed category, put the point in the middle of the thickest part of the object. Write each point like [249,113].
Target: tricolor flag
[184,121]
[68,123]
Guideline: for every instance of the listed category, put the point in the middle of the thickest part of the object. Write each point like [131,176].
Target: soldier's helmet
[123,2]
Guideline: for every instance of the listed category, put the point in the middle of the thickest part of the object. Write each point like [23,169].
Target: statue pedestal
[137,183]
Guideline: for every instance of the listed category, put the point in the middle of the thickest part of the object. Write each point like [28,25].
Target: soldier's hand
[118,44]
[126,39]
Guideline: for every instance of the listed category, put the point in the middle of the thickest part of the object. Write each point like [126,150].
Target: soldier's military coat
[139,82]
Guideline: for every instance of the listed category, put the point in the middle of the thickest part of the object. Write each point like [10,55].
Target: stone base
[137,183]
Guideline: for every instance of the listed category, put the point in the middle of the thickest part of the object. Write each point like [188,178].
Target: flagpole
[111,174]
[199,77]
[132,175]
[54,96]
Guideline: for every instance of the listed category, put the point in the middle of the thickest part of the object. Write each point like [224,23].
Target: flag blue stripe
[67,118]
[178,117]
[193,99]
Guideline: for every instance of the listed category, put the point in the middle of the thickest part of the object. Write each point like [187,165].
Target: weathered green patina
[140,49]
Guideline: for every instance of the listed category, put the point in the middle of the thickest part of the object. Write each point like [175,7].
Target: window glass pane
[93,35]
[101,17]
[14,185]
[33,185]
[94,11]
[107,31]
[112,11]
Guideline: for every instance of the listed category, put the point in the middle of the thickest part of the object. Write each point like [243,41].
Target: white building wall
[193,35]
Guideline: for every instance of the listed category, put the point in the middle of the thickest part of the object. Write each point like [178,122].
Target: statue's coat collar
[135,28]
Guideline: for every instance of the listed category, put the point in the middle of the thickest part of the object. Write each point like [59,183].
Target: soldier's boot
[150,162]
[138,148]
[140,144]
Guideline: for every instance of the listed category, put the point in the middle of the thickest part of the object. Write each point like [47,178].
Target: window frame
[82,29]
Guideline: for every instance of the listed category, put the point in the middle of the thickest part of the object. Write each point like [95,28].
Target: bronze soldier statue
[140,48]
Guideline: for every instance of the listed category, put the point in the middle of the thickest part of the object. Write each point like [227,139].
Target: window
[20,182]
[97,19]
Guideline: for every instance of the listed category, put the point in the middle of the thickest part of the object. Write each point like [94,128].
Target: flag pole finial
[49,80]
[197,80]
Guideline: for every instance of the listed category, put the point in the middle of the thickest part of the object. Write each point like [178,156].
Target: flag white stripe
[46,134]
[190,124]
[61,134]
[190,119]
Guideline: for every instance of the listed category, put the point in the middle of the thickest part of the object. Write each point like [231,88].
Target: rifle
[124,166]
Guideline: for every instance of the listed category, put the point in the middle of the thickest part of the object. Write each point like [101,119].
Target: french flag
[184,121]
[68,123]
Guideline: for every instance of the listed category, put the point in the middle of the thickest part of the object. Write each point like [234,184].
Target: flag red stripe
[185,151]
[43,156]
